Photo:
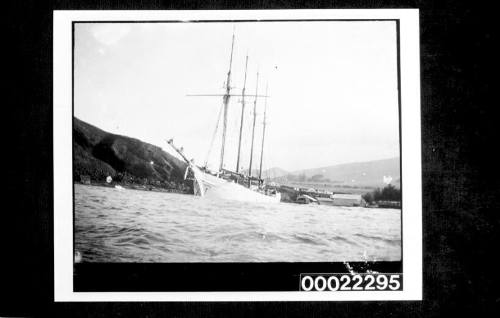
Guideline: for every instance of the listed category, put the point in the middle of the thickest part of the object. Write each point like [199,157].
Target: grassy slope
[98,154]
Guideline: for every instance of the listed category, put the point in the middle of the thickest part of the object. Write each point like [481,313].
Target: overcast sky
[333,87]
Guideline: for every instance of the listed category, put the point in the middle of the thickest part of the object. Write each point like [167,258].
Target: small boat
[305,199]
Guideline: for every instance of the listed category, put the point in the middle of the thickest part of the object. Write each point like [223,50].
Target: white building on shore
[347,199]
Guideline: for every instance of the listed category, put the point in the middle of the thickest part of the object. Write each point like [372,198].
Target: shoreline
[140,187]
[130,186]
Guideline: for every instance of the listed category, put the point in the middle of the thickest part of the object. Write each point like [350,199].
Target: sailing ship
[224,183]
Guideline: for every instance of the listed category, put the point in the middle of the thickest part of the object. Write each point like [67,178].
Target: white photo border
[410,153]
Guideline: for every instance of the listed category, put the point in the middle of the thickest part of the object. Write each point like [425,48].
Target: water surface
[125,225]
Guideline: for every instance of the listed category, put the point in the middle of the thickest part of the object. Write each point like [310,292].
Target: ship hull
[210,186]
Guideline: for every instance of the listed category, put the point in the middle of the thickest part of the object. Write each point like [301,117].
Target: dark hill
[99,154]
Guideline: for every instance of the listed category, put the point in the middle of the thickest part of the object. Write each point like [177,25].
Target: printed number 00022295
[350,282]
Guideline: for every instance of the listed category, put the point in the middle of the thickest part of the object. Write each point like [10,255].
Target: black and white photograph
[276,158]
[238,141]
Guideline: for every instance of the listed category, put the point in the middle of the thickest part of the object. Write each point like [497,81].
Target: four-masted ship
[224,183]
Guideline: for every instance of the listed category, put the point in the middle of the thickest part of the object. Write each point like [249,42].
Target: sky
[332,87]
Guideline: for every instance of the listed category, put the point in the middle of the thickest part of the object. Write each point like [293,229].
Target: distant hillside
[268,173]
[370,173]
[99,154]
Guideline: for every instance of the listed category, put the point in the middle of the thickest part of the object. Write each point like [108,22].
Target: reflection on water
[121,225]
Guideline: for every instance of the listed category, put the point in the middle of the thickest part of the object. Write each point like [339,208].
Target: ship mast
[226,103]
[253,127]
[263,134]
[242,116]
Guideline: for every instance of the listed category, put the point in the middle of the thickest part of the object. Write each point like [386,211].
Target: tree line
[388,193]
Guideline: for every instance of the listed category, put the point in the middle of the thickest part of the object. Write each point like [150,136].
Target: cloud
[109,33]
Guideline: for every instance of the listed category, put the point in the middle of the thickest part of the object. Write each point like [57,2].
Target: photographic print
[240,143]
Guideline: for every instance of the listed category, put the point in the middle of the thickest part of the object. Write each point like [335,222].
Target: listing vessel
[224,183]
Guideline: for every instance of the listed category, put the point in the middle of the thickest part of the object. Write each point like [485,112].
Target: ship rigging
[226,183]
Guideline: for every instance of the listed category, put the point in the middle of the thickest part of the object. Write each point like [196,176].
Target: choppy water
[114,225]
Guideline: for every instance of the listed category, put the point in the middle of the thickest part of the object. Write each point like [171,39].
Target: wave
[251,235]
[310,239]
[139,226]
[378,238]
[343,239]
